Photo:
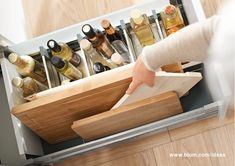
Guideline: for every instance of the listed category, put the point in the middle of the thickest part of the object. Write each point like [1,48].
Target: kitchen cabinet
[61,105]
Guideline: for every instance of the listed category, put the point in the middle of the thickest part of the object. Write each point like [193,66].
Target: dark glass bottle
[112,33]
[63,51]
[66,68]
[99,67]
[98,40]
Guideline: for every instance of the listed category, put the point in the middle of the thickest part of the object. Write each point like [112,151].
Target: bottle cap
[17,82]
[98,67]
[88,31]
[57,62]
[13,57]
[170,9]
[105,24]
[137,17]
[85,44]
[117,58]
[53,45]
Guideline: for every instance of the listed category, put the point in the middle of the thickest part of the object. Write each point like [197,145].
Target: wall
[12,22]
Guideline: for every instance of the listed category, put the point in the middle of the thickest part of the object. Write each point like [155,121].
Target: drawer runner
[209,110]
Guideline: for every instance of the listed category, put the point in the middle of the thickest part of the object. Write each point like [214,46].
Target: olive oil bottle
[172,22]
[27,66]
[94,56]
[172,19]
[27,86]
[142,28]
[98,40]
[63,51]
[66,68]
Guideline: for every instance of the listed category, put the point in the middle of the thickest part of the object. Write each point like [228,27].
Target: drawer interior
[31,47]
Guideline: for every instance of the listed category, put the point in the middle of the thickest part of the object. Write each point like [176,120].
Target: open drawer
[59,107]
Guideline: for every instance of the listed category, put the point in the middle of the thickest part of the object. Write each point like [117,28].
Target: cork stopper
[13,57]
[170,9]
[137,17]
[85,44]
[105,24]
[17,82]
[117,58]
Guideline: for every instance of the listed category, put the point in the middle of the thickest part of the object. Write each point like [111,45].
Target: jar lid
[53,45]
[88,31]
[137,17]
[13,57]
[57,62]
[85,44]
[105,24]
[170,9]
[17,82]
[117,58]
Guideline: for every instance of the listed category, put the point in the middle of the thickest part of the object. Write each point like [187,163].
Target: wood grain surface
[51,116]
[128,116]
[164,82]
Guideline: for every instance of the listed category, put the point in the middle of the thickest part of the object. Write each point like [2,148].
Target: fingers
[150,82]
[132,87]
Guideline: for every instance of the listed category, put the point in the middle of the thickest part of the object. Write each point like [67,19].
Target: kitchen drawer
[60,106]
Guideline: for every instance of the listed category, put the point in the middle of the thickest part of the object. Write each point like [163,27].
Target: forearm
[189,44]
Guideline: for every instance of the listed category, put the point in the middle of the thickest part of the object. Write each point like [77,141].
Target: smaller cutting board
[128,116]
[164,82]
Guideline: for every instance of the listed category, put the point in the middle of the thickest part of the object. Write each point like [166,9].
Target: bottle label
[106,49]
[76,59]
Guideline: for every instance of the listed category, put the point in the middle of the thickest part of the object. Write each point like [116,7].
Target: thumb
[150,82]
[132,87]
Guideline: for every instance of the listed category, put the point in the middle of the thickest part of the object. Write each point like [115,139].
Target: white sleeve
[189,44]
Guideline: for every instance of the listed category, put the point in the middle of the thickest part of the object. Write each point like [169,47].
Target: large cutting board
[128,116]
[164,82]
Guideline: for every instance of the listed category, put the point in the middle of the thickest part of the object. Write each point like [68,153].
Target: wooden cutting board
[52,115]
[164,82]
[128,116]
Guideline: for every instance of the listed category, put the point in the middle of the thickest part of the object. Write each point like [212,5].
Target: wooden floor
[203,137]
[206,136]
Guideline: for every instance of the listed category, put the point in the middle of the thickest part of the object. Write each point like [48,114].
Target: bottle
[172,22]
[112,33]
[66,68]
[27,66]
[99,67]
[172,19]
[117,59]
[27,86]
[63,51]
[94,56]
[98,40]
[142,28]
[122,50]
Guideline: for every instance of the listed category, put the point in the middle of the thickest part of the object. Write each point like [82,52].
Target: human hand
[141,75]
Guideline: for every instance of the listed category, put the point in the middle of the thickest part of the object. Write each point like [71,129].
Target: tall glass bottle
[142,28]
[112,33]
[27,86]
[172,19]
[172,22]
[98,40]
[94,56]
[63,51]
[66,68]
[27,66]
